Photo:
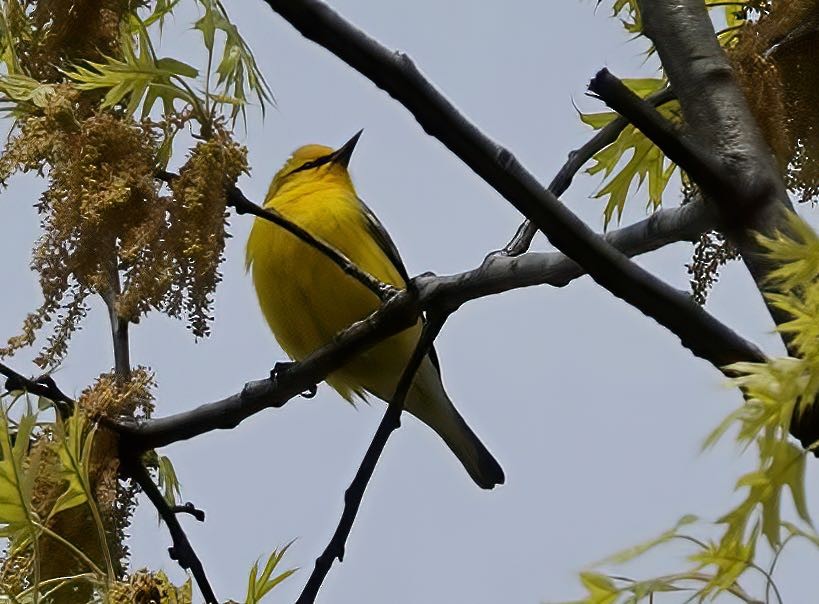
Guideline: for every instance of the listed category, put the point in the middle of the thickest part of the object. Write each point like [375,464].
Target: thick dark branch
[717,115]
[396,74]
[355,492]
[182,550]
[522,239]
[237,200]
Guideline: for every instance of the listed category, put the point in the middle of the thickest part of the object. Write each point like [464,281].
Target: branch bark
[717,116]
[44,386]
[119,327]
[237,200]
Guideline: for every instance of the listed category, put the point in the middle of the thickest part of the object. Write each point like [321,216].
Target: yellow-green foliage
[645,160]
[107,228]
[96,112]
[260,584]
[770,49]
[773,392]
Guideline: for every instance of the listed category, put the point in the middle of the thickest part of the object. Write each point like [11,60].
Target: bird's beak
[345,152]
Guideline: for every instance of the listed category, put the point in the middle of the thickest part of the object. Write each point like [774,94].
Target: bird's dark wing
[384,241]
[387,245]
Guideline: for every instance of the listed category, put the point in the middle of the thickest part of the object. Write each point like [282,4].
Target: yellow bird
[307,299]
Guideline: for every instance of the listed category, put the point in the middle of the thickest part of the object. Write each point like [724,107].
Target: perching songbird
[307,299]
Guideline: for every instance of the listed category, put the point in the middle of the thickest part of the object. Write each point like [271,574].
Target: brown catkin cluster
[104,221]
[711,252]
[100,190]
[776,59]
[109,396]
[146,587]
[174,261]
[53,34]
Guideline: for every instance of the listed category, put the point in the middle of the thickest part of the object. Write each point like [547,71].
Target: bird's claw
[282,367]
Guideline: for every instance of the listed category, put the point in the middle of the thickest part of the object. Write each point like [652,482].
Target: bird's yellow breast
[307,299]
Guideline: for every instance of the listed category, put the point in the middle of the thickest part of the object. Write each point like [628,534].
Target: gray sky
[595,412]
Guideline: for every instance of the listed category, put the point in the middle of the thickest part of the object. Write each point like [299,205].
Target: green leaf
[601,589]
[598,120]
[24,93]
[137,76]
[74,451]
[644,160]
[729,558]
[258,586]
[162,8]
[173,66]
[168,481]
[16,515]
[631,553]
[236,70]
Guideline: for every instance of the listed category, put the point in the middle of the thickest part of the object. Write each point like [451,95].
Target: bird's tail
[427,400]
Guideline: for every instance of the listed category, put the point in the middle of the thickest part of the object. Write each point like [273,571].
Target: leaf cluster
[771,46]
[774,392]
[645,160]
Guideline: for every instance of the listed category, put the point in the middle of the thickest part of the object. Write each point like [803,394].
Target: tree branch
[501,273]
[355,492]
[717,116]
[398,313]
[396,74]
[182,550]
[609,133]
[433,294]
[237,200]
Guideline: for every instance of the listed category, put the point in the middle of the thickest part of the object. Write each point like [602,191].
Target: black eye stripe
[313,164]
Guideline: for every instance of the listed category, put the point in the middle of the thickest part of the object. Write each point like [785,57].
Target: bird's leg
[280,368]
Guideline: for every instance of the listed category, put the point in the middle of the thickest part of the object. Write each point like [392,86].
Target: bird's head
[312,164]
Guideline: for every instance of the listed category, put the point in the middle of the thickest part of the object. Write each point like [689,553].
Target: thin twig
[119,326]
[238,201]
[355,492]
[609,133]
[181,551]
